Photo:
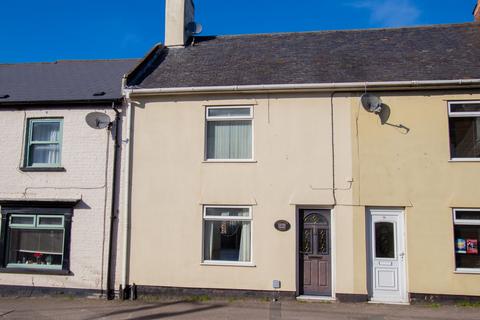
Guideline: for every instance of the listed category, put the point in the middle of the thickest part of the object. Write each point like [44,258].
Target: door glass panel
[384,240]
[316,218]
[322,241]
[307,241]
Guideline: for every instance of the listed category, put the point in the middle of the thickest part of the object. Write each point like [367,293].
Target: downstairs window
[35,238]
[467,236]
[227,234]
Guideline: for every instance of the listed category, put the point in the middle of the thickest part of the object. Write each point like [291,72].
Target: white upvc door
[386,234]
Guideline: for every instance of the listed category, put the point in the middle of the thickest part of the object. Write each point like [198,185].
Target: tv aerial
[98,120]
[371,103]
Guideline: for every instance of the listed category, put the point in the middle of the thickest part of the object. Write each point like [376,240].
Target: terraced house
[320,165]
[57,173]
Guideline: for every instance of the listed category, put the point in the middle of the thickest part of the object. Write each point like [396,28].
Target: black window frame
[460,221]
[465,114]
[58,209]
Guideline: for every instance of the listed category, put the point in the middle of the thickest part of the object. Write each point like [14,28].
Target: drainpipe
[115,197]
[126,195]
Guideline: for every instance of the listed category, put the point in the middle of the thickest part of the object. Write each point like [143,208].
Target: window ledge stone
[228,264]
[43,169]
[36,271]
[229,161]
[467,271]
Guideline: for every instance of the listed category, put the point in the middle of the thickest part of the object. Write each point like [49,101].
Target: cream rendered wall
[292,168]
[84,157]
[412,170]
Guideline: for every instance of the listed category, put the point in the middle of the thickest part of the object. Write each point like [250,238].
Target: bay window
[35,238]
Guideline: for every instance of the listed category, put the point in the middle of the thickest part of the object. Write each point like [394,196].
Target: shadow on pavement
[142,308]
[177,313]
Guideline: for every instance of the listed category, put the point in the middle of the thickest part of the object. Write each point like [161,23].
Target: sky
[50,30]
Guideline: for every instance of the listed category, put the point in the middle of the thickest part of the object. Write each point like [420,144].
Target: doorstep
[315,298]
[402,303]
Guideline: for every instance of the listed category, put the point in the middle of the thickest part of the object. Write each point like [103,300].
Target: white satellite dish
[97,120]
[194,27]
[371,103]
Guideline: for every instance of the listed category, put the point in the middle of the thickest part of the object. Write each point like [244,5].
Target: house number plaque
[282,225]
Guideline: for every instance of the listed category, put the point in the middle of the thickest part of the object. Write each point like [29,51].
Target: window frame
[209,118]
[37,212]
[228,218]
[455,114]
[463,222]
[29,142]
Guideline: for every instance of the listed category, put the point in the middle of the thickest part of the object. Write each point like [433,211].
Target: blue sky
[49,30]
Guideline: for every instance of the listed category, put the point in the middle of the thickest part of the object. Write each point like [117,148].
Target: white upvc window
[467,237]
[229,133]
[227,235]
[464,130]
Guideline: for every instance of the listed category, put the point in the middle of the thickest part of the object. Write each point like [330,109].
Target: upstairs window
[44,143]
[229,133]
[464,123]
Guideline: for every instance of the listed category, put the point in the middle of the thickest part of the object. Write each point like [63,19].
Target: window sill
[36,271]
[228,264]
[43,169]
[464,160]
[229,161]
[467,271]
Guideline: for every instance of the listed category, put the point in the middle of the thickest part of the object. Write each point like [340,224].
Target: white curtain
[208,241]
[244,250]
[212,240]
[229,139]
[45,153]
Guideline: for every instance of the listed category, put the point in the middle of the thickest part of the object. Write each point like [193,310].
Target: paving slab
[182,309]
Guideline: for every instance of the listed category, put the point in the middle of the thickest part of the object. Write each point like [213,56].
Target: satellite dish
[97,120]
[371,103]
[194,27]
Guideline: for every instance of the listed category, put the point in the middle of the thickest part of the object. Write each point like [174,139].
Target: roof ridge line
[427,26]
[69,60]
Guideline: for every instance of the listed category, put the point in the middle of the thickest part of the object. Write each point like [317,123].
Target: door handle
[402,255]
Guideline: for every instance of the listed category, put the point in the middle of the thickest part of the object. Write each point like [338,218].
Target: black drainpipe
[115,196]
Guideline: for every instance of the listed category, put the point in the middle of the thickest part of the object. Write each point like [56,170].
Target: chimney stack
[178,14]
[476,12]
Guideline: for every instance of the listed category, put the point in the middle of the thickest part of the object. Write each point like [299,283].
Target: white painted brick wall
[84,157]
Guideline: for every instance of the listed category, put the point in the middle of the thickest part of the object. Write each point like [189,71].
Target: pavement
[89,309]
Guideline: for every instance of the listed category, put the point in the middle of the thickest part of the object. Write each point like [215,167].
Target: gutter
[335,86]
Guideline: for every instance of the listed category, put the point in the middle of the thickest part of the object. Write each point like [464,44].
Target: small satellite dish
[371,103]
[97,120]
[194,27]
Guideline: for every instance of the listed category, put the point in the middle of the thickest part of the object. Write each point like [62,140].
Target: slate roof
[63,81]
[439,52]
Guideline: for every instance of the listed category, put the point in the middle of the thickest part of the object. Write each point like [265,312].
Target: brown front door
[315,256]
